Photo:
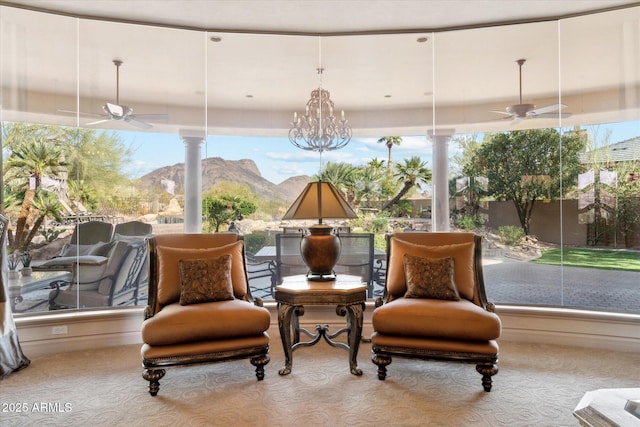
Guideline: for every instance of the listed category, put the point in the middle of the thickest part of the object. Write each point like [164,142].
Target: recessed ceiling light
[387,96]
[422,39]
[249,96]
[215,39]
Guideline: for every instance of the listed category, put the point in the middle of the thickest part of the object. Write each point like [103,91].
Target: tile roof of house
[623,151]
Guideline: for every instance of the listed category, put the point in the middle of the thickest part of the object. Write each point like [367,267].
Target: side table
[346,292]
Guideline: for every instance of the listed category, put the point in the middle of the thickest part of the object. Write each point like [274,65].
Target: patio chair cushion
[462,253]
[70,260]
[99,249]
[169,271]
[430,278]
[205,280]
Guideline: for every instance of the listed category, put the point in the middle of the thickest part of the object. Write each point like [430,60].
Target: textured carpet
[538,385]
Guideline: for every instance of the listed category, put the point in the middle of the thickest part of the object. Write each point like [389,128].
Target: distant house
[624,151]
[599,205]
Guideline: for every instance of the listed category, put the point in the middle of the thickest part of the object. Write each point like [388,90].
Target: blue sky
[277,159]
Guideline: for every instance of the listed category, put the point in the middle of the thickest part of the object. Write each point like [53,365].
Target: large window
[541,156]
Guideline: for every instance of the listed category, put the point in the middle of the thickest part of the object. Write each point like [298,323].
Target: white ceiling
[382,81]
[322,16]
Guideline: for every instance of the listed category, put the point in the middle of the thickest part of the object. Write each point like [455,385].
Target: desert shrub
[254,242]
[468,222]
[510,234]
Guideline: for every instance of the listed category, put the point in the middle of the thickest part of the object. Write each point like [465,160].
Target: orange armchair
[180,329]
[434,304]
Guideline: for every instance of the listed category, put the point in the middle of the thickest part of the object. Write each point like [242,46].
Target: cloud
[409,143]
[309,156]
[139,168]
[290,170]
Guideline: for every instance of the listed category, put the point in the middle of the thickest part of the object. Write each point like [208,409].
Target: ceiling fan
[521,111]
[117,111]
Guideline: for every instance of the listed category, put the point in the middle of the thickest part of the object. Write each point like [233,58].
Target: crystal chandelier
[318,129]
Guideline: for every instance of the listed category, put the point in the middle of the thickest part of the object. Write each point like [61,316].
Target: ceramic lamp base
[320,251]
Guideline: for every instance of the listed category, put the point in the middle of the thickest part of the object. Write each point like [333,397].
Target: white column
[192,183]
[440,197]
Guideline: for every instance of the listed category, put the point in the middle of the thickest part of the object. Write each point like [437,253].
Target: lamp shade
[320,200]
[320,249]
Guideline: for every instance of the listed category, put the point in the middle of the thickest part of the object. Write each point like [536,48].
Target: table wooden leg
[354,325]
[285,311]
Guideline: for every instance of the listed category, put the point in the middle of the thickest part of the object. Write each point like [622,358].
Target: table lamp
[320,249]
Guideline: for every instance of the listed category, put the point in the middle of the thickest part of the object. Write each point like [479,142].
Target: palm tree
[390,141]
[45,204]
[411,174]
[342,176]
[376,164]
[28,163]
[368,184]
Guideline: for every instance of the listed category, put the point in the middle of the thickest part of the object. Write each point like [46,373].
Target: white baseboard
[62,332]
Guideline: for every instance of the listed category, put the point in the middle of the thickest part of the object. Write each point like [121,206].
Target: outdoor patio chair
[262,276]
[356,257]
[289,260]
[434,304]
[133,231]
[100,281]
[133,228]
[92,232]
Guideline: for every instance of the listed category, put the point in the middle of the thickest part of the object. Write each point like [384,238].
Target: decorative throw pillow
[205,280]
[462,253]
[169,270]
[430,278]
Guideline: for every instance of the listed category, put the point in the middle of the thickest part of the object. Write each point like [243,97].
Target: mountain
[216,169]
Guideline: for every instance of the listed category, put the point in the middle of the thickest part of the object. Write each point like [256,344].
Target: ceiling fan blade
[550,116]
[547,109]
[137,123]
[98,121]
[80,113]
[501,112]
[153,117]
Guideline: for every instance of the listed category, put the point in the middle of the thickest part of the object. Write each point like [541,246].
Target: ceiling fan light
[114,110]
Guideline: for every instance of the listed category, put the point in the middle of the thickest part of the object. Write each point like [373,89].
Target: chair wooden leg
[153,376]
[487,370]
[381,362]
[259,362]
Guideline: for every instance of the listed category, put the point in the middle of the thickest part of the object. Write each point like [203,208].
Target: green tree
[96,161]
[525,166]
[368,184]
[223,209]
[412,173]
[376,165]
[342,176]
[626,188]
[475,183]
[45,204]
[390,141]
[31,159]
